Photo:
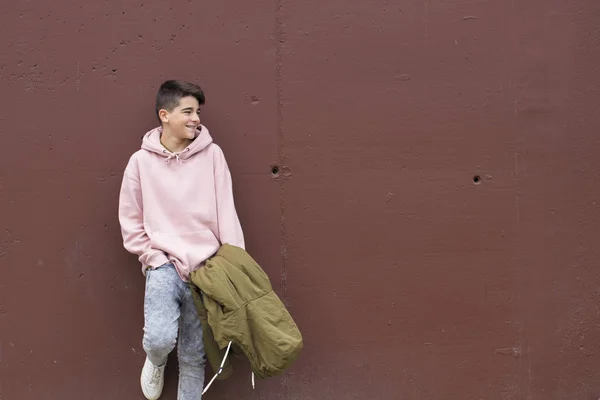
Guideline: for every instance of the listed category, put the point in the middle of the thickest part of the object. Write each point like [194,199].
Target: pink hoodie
[178,207]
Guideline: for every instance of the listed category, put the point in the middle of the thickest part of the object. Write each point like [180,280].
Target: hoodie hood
[151,142]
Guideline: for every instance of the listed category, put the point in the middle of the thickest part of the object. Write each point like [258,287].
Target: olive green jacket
[236,302]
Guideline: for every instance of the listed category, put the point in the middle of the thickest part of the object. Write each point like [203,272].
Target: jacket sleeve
[135,238]
[230,229]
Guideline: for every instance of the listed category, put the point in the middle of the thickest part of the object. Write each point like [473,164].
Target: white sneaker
[152,380]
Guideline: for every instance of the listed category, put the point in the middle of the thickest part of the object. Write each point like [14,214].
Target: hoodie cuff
[156,259]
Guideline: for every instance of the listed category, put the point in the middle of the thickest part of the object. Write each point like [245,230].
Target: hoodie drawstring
[174,156]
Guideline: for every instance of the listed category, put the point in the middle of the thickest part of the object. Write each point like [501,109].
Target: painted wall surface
[433,225]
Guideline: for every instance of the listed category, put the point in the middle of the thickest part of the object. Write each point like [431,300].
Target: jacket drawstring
[221,370]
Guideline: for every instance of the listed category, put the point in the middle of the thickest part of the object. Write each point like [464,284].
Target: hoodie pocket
[190,248]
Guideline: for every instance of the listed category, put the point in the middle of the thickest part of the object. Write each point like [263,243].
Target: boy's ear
[163,115]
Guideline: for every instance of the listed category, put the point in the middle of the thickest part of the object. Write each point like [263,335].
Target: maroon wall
[408,279]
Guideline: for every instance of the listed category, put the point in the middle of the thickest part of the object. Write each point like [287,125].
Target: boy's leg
[190,350]
[161,313]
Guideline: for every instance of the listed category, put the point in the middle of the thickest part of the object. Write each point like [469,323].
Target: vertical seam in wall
[523,370]
[279,39]
[280,147]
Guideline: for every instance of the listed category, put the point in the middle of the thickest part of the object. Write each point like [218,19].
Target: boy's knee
[192,360]
[161,342]
[191,355]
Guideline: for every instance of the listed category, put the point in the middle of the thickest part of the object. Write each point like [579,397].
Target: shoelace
[155,375]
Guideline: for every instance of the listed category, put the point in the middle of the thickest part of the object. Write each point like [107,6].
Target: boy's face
[182,121]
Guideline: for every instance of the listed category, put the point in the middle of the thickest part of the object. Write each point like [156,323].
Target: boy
[176,209]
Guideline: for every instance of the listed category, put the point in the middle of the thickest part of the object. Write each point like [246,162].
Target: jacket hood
[151,142]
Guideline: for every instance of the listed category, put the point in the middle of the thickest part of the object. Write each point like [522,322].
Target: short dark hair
[170,92]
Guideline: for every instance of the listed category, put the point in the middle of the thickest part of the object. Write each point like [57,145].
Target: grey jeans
[169,311]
